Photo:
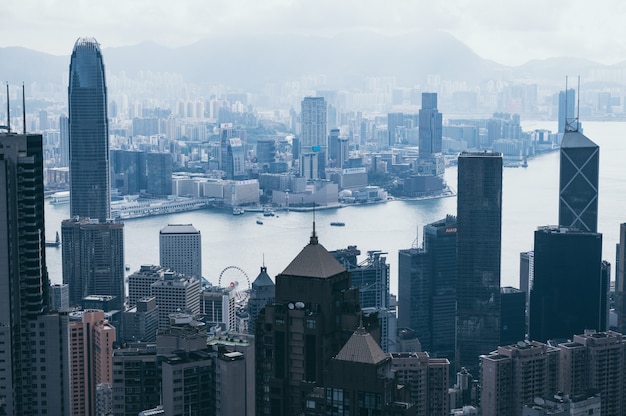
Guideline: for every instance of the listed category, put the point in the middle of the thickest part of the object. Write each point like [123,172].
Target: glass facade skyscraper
[88,132]
[578,182]
[479,243]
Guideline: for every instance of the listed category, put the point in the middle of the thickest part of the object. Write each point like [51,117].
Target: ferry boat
[259,222]
[61,197]
[338,224]
[237,211]
[268,212]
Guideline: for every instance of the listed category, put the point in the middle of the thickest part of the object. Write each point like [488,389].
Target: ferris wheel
[235,277]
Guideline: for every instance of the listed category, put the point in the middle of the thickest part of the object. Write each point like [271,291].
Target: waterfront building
[159,173]
[314,139]
[25,289]
[339,150]
[128,171]
[93,258]
[578,182]
[620,280]
[479,237]
[88,132]
[426,381]
[315,312]
[569,293]
[514,375]
[180,249]
[430,126]
[91,359]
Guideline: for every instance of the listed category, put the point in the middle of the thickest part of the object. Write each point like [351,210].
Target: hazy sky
[509,32]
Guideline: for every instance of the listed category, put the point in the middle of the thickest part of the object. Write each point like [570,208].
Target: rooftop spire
[313,235]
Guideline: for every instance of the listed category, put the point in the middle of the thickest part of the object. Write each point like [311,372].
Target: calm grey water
[530,199]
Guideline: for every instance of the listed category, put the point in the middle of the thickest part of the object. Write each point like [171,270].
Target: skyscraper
[569,291]
[430,126]
[315,312]
[620,280]
[427,283]
[314,139]
[180,249]
[567,104]
[88,132]
[92,244]
[578,182]
[479,237]
[24,320]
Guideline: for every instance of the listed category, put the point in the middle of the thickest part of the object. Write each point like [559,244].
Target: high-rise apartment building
[180,249]
[569,291]
[88,132]
[91,363]
[315,312]
[514,375]
[430,126]
[578,182]
[479,236]
[33,343]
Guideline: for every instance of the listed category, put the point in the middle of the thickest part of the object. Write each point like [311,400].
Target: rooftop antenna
[23,109]
[313,235]
[578,105]
[8,111]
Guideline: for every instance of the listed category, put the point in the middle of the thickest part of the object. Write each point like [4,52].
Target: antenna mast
[8,111]
[23,109]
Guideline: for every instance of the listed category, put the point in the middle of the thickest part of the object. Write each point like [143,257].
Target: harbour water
[530,199]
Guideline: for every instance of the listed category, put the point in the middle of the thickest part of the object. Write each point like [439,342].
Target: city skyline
[507,33]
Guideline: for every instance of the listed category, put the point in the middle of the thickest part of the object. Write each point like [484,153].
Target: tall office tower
[24,285]
[426,379]
[88,132]
[395,129]
[567,106]
[512,315]
[64,141]
[430,126]
[128,171]
[526,275]
[479,236]
[578,182]
[427,288]
[371,276]
[140,281]
[59,297]
[159,173]
[265,153]
[93,258]
[569,292]
[338,149]
[176,293]
[314,139]
[360,381]
[180,249]
[515,374]
[316,310]
[91,363]
[263,291]
[235,163]
[620,280]
[595,360]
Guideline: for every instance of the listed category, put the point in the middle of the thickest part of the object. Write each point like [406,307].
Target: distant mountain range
[247,63]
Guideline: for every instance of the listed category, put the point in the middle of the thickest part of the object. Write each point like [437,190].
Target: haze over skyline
[510,33]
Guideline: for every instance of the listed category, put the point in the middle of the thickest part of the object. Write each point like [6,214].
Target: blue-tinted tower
[88,132]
